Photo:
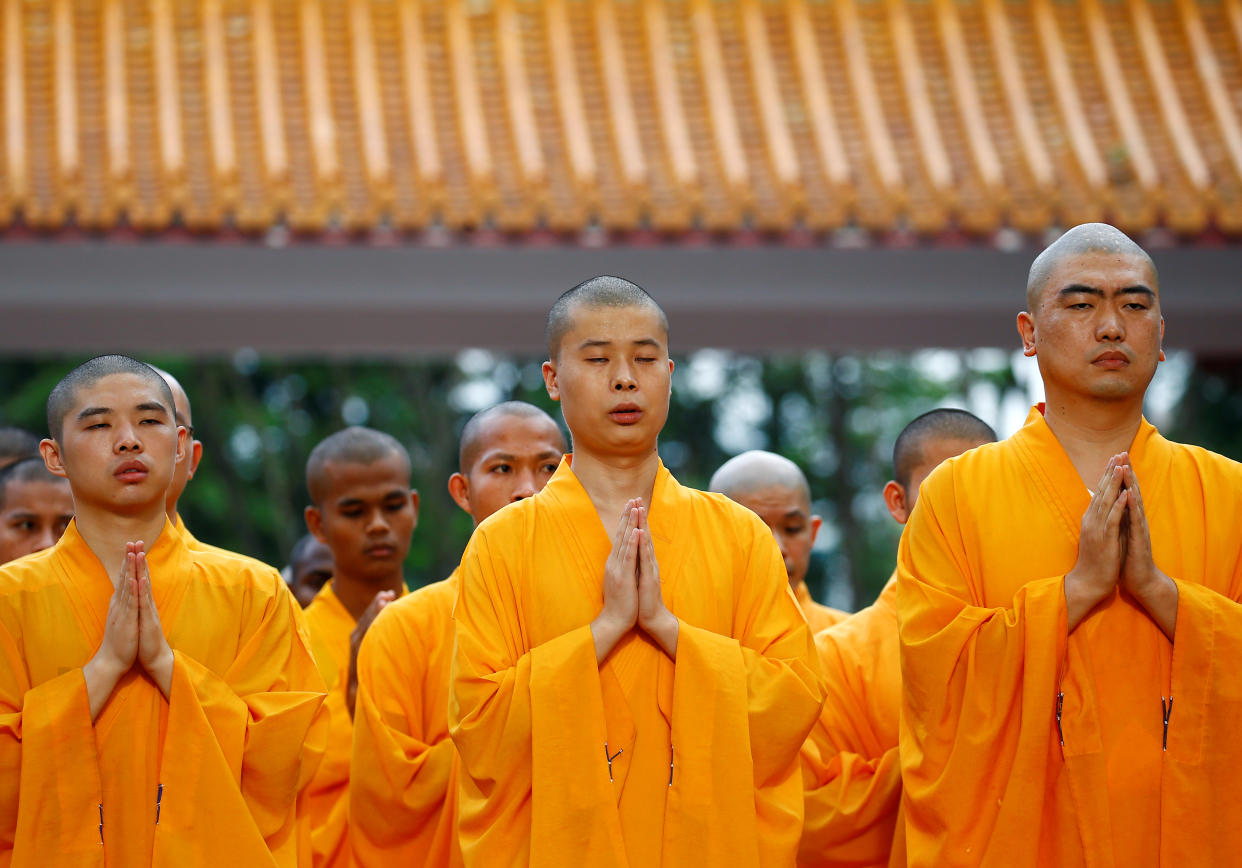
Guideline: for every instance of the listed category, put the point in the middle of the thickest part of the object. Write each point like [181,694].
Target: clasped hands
[1114,550]
[632,589]
[131,633]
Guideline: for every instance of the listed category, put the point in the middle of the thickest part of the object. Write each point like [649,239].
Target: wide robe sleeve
[241,741]
[402,786]
[742,707]
[978,705]
[49,769]
[852,784]
[497,685]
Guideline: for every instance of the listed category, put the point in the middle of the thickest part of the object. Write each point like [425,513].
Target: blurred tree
[836,416]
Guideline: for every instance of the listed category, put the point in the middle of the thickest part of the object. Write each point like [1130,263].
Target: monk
[850,764]
[36,506]
[310,568]
[153,698]
[776,490]
[17,444]
[1059,591]
[363,509]
[404,773]
[632,677]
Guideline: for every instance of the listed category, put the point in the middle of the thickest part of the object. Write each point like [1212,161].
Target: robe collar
[1149,453]
[566,490]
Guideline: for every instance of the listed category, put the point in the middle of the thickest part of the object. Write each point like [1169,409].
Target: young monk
[17,444]
[1058,591]
[36,506]
[632,678]
[364,511]
[404,773]
[776,490]
[153,698]
[850,764]
[310,568]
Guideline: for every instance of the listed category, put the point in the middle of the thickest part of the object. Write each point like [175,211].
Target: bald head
[24,472]
[755,470]
[914,443]
[479,428]
[602,291]
[1083,239]
[17,444]
[64,396]
[181,401]
[354,445]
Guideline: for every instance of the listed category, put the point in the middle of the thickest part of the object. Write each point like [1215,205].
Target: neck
[356,594]
[611,481]
[1091,432]
[106,533]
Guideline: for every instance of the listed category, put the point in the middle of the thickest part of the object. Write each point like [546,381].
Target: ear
[459,490]
[1162,339]
[196,455]
[549,380]
[50,451]
[314,523]
[182,442]
[414,501]
[670,367]
[1026,329]
[895,500]
[816,524]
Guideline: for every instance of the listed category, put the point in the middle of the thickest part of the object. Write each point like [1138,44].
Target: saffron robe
[315,743]
[819,616]
[403,777]
[207,777]
[994,773]
[637,762]
[850,765]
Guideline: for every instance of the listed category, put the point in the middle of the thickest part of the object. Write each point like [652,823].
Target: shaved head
[751,471]
[1086,238]
[474,433]
[25,471]
[938,426]
[17,444]
[61,401]
[181,401]
[354,445]
[602,291]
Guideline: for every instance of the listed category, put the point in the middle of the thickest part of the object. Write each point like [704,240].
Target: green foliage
[258,418]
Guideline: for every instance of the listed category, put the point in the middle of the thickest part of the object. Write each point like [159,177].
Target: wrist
[607,632]
[104,667]
[663,627]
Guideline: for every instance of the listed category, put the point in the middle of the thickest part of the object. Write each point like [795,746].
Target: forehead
[618,324]
[518,435]
[118,392]
[345,479]
[773,498]
[1100,270]
[40,493]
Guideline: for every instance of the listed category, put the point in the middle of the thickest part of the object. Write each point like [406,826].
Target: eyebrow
[94,411]
[353,501]
[1080,289]
[505,456]
[641,342]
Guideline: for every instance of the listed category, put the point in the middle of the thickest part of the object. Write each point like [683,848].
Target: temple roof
[937,117]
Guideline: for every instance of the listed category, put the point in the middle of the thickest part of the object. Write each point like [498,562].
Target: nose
[377,524]
[524,488]
[623,380]
[127,438]
[1110,327]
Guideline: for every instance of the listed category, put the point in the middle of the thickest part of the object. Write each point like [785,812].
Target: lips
[131,472]
[382,551]
[625,414]
[1111,360]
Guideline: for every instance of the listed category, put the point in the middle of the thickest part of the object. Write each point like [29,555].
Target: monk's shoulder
[25,582]
[506,524]
[710,509]
[412,616]
[237,574]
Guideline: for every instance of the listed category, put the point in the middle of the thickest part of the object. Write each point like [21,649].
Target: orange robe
[819,616]
[638,762]
[205,778]
[990,775]
[850,765]
[403,778]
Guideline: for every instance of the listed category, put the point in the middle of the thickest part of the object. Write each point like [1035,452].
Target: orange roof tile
[671,114]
